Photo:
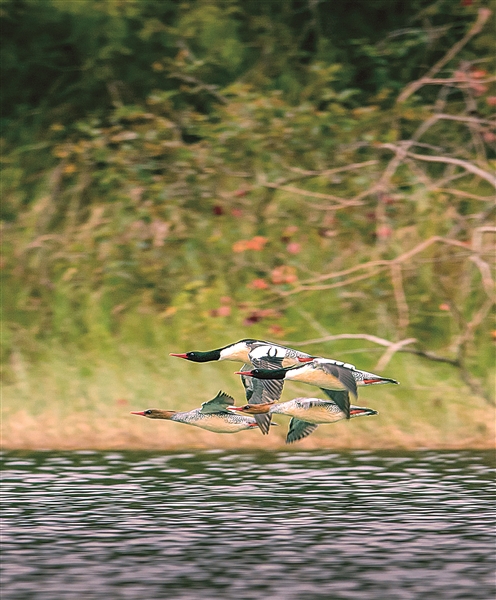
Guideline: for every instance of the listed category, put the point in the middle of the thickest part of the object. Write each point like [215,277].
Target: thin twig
[377,340]
[327,172]
[383,362]
[463,194]
[294,190]
[385,262]
[485,271]
[482,16]
[401,151]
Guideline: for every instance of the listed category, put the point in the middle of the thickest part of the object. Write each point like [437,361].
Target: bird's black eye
[148,412]
[191,354]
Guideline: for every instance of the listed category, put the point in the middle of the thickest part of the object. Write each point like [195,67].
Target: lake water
[275,526]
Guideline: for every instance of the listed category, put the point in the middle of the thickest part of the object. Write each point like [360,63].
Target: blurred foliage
[173,165]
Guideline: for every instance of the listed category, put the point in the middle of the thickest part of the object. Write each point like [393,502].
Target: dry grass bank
[75,402]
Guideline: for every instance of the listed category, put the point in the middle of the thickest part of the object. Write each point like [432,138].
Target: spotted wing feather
[341,398]
[298,430]
[218,404]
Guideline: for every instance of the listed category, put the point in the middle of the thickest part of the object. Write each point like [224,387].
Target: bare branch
[329,286]
[463,194]
[342,202]
[402,151]
[442,116]
[381,342]
[383,362]
[485,271]
[482,17]
[374,267]
[470,327]
[327,172]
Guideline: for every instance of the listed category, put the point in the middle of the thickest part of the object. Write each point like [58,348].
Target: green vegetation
[180,175]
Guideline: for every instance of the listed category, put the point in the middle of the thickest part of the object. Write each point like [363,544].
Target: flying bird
[212,415]
[306,413]
[266,356]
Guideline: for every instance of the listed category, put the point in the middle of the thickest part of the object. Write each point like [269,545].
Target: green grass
[74,399]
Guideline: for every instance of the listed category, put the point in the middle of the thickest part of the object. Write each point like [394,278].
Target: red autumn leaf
[384,232]
[257,315]
[478,73]
[257,243]
[293,248]
[258,284]
[478,88]
[224,311]
[276,330]
[239,246]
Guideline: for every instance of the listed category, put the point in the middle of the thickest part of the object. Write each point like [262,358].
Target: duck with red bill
[212,415]
[306,414]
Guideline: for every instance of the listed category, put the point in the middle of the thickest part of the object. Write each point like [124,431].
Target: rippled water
[216,525]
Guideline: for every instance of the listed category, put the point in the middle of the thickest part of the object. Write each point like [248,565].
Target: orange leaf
[257,243]
[258,284]
[240,246]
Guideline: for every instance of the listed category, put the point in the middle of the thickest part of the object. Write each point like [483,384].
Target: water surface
[217,525]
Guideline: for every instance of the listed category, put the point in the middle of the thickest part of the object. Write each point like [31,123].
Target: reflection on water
[248,526]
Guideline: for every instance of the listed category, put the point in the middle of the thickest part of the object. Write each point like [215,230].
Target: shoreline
[46,433]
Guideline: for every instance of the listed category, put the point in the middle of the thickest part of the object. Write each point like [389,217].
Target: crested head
[200,357]
[156,413]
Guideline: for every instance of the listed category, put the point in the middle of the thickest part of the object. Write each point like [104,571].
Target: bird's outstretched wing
[261,391]
[298,430]
[341,398]
[218,404]
[343,374]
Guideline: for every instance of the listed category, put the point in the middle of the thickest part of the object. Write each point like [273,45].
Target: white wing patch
[268,351]
[338,363]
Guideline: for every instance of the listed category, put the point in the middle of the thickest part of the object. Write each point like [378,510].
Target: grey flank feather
[341,398]
[298,430]
[218,404]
